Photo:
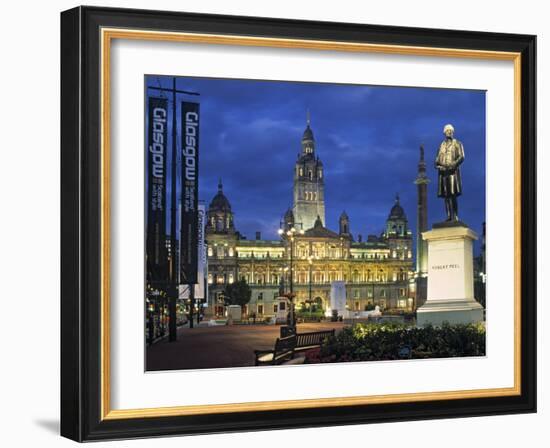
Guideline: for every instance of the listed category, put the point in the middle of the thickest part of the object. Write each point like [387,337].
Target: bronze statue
[448,160]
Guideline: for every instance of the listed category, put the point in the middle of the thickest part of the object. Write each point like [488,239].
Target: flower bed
[377,342]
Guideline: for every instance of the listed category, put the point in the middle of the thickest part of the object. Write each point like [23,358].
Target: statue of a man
[448,160]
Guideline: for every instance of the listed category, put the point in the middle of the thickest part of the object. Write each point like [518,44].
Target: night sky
[368,138]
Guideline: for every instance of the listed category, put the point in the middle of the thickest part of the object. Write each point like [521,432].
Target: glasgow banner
[189,192]
[200,287]
[157,263]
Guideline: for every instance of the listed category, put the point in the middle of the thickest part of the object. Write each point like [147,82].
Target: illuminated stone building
[376,270]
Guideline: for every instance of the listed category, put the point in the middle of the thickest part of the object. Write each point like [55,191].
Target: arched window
[310,175]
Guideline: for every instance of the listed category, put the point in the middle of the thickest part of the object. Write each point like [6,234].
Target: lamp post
[290,235]
[310,261]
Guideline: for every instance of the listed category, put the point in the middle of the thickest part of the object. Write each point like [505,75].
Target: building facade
[376,271]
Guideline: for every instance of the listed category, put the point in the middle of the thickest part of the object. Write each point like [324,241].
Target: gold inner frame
[107,35]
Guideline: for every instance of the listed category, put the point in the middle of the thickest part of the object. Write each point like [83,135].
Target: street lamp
[310,261]
[283,272]
[290,235]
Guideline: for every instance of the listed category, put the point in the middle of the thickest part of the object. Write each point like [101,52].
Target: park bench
[286,347]
[307,341]
[283,351]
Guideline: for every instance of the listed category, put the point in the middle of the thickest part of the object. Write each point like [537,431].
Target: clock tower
[309,184]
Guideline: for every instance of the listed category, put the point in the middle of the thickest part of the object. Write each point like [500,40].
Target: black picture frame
[81,211]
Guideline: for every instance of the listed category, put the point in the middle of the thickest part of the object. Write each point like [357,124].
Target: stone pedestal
[450,277]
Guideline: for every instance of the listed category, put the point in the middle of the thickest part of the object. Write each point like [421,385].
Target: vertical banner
[189,192]
[200,286]
[201,268]
[157,263]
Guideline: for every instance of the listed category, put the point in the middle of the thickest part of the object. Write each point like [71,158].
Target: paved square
[223,346]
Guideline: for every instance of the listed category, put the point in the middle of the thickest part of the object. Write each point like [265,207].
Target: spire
[422,153]
[220,186]
[308,141]
[397,198]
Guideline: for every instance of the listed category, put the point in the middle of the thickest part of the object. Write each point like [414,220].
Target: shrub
[376,342]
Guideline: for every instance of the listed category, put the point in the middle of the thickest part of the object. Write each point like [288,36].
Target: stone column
[421,182]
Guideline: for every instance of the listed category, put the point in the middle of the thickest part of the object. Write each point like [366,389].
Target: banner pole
[173,295]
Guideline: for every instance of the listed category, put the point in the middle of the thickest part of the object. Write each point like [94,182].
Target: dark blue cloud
[368,138]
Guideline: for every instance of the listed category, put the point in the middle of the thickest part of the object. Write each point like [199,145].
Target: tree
[238,293]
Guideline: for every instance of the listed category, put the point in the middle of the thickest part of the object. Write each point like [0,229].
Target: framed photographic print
[275,224]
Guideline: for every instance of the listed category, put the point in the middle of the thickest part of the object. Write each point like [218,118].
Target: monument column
[421,182]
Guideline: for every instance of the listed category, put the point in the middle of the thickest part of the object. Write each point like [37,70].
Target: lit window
[210,252]
[210,279]
[231,278]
